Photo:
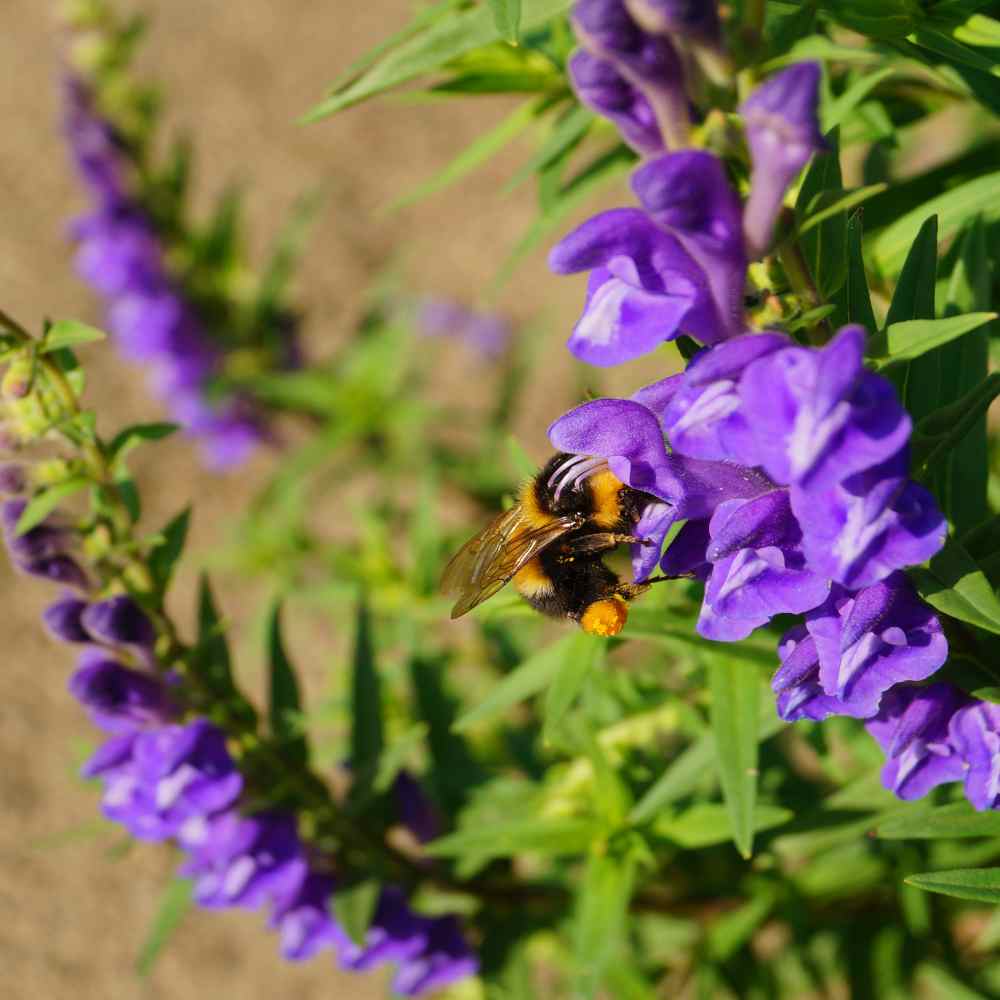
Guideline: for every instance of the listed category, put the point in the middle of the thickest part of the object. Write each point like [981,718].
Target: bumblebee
[551,544]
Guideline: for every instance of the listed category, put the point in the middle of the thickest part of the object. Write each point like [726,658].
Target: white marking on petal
[238,874]
[169,789]
[854,659]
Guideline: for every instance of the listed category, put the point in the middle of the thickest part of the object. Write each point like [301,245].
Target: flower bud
[62,619]
[13,478]
[16,383]
[119,621]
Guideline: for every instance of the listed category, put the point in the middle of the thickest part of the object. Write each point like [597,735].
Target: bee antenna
[663,579]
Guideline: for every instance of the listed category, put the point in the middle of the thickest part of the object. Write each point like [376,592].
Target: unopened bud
[13,478]
[16,382]
[51,471]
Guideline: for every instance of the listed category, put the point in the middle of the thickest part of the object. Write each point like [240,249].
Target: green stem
[801,281]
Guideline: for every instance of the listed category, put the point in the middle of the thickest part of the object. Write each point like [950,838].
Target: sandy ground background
[75,905]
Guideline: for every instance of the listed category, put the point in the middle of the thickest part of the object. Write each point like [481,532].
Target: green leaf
[956,586]
[688,771]
[168,549]
[126,440]
[954,209]
[507,18]
[733,930]
[825,245]
[552,837]
[827,204]
[530,677]
[706,823]
[839,109]
[908,340]
[478,152]
[443,41]
[854,303]
[735,690]
[367,738]
[956,820]
[980,884]
[175,902]
[44,503]
[285,701]
[210,657]
[961,482]
[354,907]
[916,382]
[69,333]
[565,136]
[600,920]
[583,655]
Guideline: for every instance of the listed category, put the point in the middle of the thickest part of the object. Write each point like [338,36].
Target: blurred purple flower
[396,934]
[63,619]
[303,922]
[118,698]
[119,621]
[485,333]
[444,959]
[782,125]
[43,550]
[602,88]
[694,19]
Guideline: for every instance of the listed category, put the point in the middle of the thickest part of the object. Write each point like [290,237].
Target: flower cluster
[784,468]
[171,777]
[123,257]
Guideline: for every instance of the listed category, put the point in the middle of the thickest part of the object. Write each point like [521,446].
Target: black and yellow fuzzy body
[551,543]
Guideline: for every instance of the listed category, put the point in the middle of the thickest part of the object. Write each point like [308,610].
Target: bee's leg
[601,541]
[630,591]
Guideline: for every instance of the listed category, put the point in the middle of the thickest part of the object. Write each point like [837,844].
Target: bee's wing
[486,562]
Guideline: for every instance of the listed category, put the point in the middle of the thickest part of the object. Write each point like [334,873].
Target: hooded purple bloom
[644,288]
[602,88]
[782,127]
[118,252]
[396,934]
[689,194]
[95,146]
[303,922]
[874,639]
[912,729]
[176,773]
[860,530]
[13,478]
[975,734]
[695,19]
[758,569]
[112,758]
[242,860]
[62,619]
[41,551]
[796,682]
[647,61]
[704,418]
[119,699]
[119,621]
[445,959]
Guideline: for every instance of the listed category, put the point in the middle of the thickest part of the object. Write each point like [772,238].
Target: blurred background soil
[76,901]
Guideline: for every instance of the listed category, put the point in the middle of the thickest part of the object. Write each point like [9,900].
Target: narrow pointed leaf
[507,17]
[174,905]
[955,585]
[582,656]
[908,340]
[367,737]
[956,820]
[285,700]
[980,884]
[354,906]
[854,301]
[164,556]
[735,690]
[42,504]
[69,333]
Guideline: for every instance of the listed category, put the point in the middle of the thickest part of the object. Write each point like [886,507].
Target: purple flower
[689,194]
[119,621]
[415,810]
[118,252]
[486,333]
[177,775]
[96,148]
[874,639]
[975,734]
[644,288]
[705,418]
[758,569]
[647,61]
[62,618]
[41,551]
[796,682]
[602,88]
[396,934]
[242,860]
[695,19]
[13,478]
[912,727]
[303,922]
[873,522]
[119,699]
[445,959]
[782,127]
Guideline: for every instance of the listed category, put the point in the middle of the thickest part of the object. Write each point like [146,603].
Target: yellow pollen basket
[606,617]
